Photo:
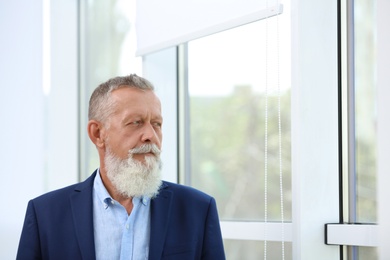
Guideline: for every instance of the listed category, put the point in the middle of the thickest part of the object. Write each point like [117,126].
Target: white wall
[21,114]
[38,132]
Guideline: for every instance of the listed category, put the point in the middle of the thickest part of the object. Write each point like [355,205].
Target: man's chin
[139,175]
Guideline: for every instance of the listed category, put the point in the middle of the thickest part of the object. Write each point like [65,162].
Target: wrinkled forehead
[129,93]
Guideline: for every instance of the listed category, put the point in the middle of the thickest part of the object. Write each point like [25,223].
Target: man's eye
[157,124]
[136,123]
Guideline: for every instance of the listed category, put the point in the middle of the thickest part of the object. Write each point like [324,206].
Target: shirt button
[127,226]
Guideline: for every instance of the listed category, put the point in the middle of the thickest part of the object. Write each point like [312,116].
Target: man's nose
[149,134]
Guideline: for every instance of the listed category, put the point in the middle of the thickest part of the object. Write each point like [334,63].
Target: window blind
[163,24]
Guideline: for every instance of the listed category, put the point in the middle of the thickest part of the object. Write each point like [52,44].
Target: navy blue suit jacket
[59,225]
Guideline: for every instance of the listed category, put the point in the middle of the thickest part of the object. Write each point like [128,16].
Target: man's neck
[126,202]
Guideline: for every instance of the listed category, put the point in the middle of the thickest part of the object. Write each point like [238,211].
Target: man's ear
[96,133]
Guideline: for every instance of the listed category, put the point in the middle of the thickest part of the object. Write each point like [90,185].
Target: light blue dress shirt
[117,234]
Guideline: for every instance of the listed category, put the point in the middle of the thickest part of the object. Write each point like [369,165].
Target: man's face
[136,121]
[132,142]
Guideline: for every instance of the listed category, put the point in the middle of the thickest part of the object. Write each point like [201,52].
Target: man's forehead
[136,99]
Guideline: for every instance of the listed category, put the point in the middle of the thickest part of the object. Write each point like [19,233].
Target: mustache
[146,148]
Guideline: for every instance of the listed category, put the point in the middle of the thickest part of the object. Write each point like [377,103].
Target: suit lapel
[160,215]
[82,209]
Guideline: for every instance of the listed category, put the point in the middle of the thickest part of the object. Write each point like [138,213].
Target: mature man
[123,210]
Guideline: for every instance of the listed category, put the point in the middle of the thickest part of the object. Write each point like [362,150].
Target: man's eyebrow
[158,118]
[130,116]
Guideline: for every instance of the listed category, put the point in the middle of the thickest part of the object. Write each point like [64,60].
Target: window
[107,49]
[224,113]
[365,110]
[363,170]
[236,80]
[227,81]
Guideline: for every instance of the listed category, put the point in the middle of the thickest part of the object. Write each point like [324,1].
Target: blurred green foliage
[228,152]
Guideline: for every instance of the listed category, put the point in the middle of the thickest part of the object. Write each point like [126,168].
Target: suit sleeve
[213,244]
[29,244]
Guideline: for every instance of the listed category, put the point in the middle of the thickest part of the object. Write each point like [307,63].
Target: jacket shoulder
[186,192]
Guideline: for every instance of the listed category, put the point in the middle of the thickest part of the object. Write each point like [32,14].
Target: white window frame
[383,141]
[314,126]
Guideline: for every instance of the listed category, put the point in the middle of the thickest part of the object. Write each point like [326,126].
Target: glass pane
[227,76]
[107,49]
[365,252]
[365,91]
[249,249]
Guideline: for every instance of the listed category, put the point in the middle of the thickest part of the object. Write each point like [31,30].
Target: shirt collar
[105,198]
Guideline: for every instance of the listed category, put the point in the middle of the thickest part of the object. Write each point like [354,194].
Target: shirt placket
[127,245]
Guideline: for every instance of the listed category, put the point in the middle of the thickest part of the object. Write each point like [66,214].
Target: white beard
[133,178]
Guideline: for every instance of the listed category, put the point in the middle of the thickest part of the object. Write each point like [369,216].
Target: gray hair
[100,104]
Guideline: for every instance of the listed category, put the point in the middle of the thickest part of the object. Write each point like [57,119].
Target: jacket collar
[82,208]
